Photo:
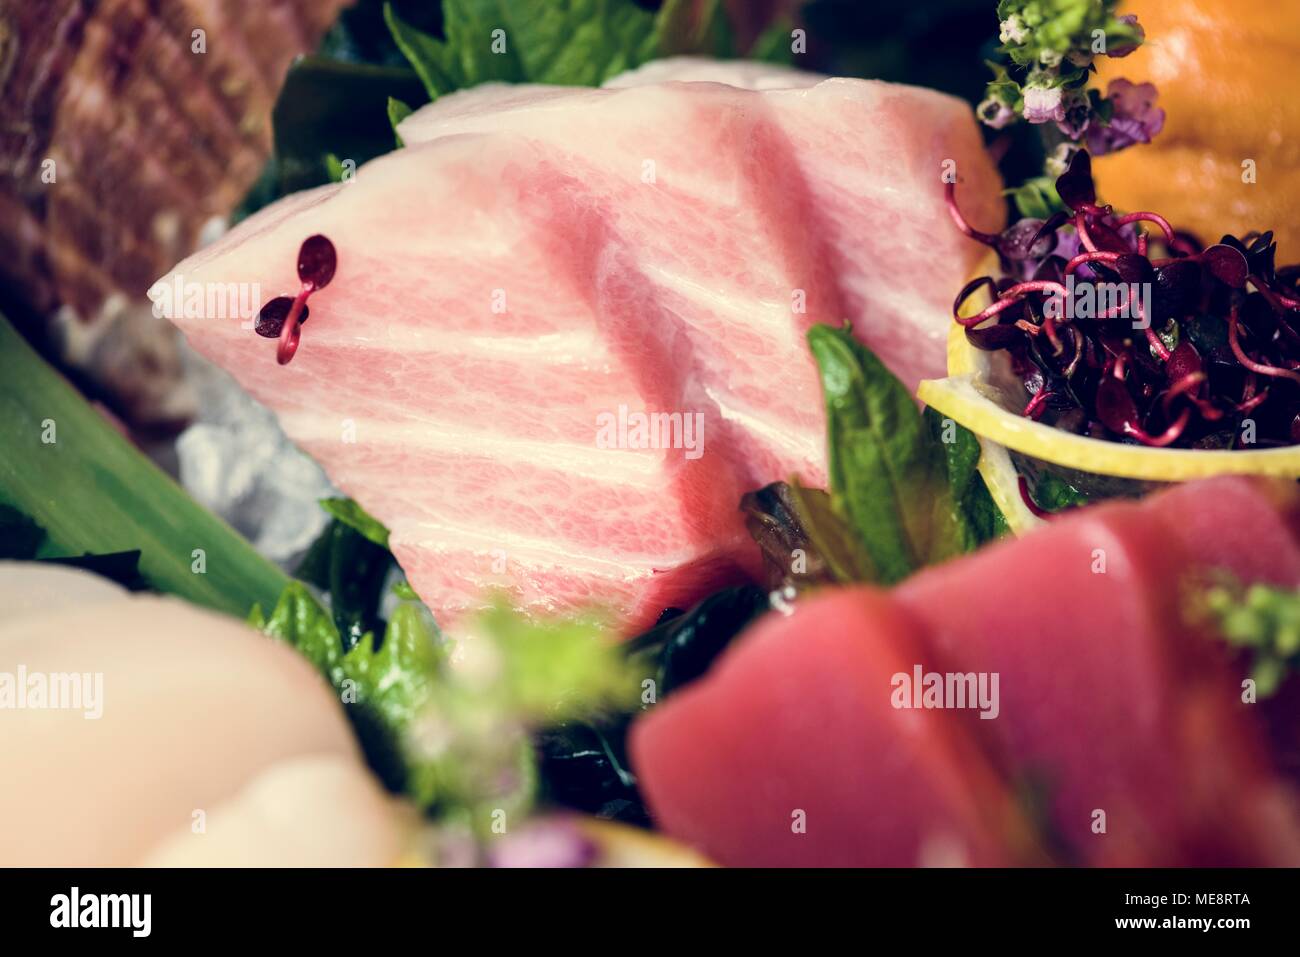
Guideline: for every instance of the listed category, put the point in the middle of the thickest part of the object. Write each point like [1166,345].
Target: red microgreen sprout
[1214,318]
[282,318]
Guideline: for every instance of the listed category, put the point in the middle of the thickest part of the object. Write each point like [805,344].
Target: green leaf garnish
[1036,198]
[1264,619]
[354,516]
[353,569]
[774,45]
[397,111]
[1052,493]
[73,475]
[888,477]
[453,736]
[566,42]
[979,518]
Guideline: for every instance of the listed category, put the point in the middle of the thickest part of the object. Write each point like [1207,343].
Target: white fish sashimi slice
[540,263]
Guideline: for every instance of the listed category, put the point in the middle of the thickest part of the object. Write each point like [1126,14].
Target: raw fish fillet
[789,753]
[537,262]
[1110,699]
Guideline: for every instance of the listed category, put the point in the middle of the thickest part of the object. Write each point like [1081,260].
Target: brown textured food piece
[149,139]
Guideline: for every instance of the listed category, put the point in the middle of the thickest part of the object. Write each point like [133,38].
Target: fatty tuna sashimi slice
[507,301]
[789,752]
[825,185]
[1112,699]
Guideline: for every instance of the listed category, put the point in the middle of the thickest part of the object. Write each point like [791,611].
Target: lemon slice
[972,396]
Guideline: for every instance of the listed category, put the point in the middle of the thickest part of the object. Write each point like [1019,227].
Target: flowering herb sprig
[1048,52]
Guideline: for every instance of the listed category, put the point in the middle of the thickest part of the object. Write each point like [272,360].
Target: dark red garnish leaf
[1074,186]
[316,261]
[993,338]
[1029,239]
[1115,407]
[1177,289]
[1133,268]
[271,319]
[1183,361]
[1261,255]
[1209,354]
[1226,264]
[1108,239]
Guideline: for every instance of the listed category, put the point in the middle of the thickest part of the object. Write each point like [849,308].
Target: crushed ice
[235,461]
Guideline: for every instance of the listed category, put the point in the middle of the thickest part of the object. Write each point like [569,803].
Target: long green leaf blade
[65,467]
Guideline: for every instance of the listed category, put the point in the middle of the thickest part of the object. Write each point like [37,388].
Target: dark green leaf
[1053,494]
[382,685]
[566,42]
[781,529]
[354,516]
[888,477]
[328,107]
[832,535]
[979,518]
[681,649]
[584,763]
[20,537]
[775,45]
[353,567]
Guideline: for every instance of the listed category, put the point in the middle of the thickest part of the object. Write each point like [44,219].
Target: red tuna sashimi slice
[790,752]
[499,295]
[1109,698]
[1249,528]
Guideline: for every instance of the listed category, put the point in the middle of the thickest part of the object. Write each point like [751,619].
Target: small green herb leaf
[1264,619]
[354,516]
[888,477]
[397,111]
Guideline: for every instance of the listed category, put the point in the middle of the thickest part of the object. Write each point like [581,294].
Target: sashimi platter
[573,434]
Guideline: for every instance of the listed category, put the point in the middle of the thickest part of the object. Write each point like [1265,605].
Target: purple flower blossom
[1043,104]
[1077,114]
[993,112]
[1136,118]
[1124,49]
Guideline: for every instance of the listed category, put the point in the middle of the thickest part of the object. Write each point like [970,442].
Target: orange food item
[1226,72]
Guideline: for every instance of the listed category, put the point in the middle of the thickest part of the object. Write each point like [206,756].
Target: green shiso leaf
[889,478]
[979,519]
[566,42]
